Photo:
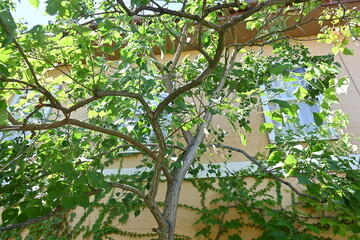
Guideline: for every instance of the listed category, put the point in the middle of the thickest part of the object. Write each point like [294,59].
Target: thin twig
[30,66]
[263,169]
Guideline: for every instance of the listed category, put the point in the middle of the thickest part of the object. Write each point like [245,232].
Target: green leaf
[284,223]
[109,142]
[319,118]
[266,127]
[92,114]
[275,157]
[66,41]
[292,111]
[139,2]
[142,30]
[33,212]
[286,107]
[81,29]
[243,139]
[56,190]
[6,41]
[9,214]
[82,200]
[300,93]
[344,81]
[172,49]
[280,68]
[35,3]
[331,94]
[137,212]
[269,146]
[234,237]
[303,179]
[276,116]
[313,228]
[282,104]
[8,20]
[289,79]
[134,29]
[55,194]
[77,135]
[4,71]
[3,116]
[69,202]
[53,6]
[3,104]
[348,51]
[290,160]
[335,50]
[96,179]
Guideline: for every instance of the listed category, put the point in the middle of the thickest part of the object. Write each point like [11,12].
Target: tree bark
[174,188]
[170,208]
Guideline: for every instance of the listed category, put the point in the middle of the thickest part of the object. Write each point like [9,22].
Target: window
[25,99]
[31,98]
[282,92]
[131,123]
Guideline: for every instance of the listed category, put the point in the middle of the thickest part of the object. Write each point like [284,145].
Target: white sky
[24,10]
[31,15]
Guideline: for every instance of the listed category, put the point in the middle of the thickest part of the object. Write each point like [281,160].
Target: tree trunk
[174,188]
[170,207]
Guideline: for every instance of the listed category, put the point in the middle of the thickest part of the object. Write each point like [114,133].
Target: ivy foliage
[106,83]
[264,206]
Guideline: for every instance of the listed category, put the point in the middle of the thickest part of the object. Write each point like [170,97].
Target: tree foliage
[104,71]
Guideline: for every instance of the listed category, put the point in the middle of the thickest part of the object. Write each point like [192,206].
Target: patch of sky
[27,13]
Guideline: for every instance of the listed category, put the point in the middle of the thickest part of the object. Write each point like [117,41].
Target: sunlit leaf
[290,160]
[35,3]
[300,93]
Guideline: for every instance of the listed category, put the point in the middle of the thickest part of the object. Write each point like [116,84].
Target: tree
[108,59]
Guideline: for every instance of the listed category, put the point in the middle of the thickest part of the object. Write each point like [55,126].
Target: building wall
[256,142]
[144,223]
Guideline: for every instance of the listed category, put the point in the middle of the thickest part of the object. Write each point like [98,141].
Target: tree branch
[263,169]
[150,204]
[10,80]
[257,8]
[30,221]
[135,143]
[182,41]
[222,6]
[128,188]
[30,66]
[197,81]
[33,127]
[65,73]
[191,151]
[154,123]
[146,106]
[12,120]
[167,77]
[65,121]
[161,11]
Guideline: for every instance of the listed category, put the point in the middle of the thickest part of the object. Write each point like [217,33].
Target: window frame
[17,97]
[266,108]
[126,124]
